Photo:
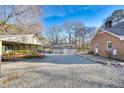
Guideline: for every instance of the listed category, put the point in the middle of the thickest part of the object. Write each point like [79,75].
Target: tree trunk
[69,38]
[75,38]
[83,42]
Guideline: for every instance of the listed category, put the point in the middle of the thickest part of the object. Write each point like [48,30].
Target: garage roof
[64,45]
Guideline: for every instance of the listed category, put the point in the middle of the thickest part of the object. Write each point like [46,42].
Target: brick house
[109,41]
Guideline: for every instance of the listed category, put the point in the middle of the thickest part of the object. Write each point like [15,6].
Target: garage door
[64,51]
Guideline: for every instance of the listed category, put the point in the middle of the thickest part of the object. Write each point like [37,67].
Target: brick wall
[102,39]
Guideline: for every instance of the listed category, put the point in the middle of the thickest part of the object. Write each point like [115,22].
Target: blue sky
[90,15]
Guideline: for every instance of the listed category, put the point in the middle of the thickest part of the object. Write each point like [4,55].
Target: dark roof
[117,29]
[64,46]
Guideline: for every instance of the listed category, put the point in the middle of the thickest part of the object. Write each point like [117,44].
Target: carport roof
[21,39]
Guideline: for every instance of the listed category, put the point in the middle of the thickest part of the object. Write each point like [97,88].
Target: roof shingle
[117,29]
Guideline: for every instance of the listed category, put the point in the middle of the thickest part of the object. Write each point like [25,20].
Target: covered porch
[15,50]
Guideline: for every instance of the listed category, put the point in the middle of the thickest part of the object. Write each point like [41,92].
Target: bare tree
[20,19]
[7,13]
[54,34]
[116,16]
[79,33]
[69,29]
[75,31]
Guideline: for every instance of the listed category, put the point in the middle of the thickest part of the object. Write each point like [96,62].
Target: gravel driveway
[61,71]
[62,59]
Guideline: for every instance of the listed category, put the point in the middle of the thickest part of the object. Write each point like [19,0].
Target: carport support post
[0,57]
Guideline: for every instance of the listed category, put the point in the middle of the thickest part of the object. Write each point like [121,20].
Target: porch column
[36,47]
[0,56]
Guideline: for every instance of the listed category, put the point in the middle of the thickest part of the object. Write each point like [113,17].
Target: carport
[11,45]
[14,50]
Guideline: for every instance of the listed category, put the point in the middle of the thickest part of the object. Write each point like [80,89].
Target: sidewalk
[102,60]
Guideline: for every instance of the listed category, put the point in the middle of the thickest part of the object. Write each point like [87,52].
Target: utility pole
[0,58]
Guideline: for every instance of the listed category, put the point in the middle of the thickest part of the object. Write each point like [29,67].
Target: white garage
[64,49]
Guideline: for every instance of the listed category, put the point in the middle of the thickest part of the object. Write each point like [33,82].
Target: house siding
[102,39]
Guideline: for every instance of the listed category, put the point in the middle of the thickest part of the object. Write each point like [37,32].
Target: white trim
[120,37]
[107,45]
[111,33]
[37,39]
[18,38]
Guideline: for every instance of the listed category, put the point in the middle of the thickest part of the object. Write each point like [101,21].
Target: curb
[104,62]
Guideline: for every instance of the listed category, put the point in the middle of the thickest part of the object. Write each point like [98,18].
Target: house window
[109,45]
[96,46]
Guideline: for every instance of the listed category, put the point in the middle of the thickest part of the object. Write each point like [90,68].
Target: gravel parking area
[57,71]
